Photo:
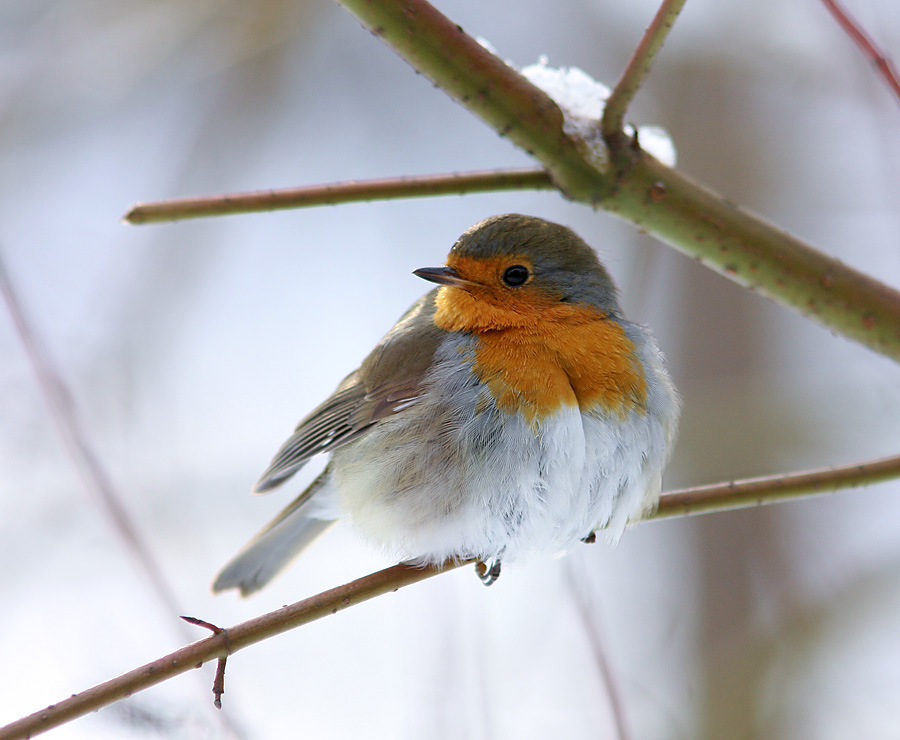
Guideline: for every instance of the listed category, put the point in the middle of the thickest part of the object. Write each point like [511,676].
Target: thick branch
[744,248]
[486,85]
[722,497]
[696,221]
[457,183]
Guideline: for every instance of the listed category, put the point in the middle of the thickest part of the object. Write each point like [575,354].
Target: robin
[510,412]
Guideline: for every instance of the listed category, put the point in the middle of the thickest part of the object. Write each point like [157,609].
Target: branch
[458,183]
[743,494]
[729,240]
[866,44]
[705,499]
[735,243]
[221,644]
[637,69]
[491,89]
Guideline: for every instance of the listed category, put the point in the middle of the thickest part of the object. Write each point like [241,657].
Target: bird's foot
[487,574]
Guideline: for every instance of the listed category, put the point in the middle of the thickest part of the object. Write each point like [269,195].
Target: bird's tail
[270,551]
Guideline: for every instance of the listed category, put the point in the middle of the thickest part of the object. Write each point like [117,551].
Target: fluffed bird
[511,412]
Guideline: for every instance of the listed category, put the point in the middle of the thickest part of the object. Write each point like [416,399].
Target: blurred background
[190,351]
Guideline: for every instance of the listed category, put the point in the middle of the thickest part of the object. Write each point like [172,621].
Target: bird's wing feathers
[388,381]
[327,427]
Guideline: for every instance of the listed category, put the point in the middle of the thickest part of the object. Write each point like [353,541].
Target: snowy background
[191,350]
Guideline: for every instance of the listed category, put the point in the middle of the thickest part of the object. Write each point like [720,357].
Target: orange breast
[549,355]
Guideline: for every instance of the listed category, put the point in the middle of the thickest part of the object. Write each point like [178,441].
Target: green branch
[486,85]
[754,253]
[696,221]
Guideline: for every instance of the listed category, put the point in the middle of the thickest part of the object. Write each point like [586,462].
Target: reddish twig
[94,475]
[721,497]
[866,44]
[742,494]
[218,687]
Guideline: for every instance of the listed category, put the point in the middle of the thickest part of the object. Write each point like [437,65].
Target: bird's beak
[443,276]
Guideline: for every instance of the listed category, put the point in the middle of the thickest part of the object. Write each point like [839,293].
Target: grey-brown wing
[326,427]
[389,380]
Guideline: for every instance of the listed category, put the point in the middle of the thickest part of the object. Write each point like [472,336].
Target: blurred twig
[590,623]
[95,478]
[867,45]
[723,497]
[456,183]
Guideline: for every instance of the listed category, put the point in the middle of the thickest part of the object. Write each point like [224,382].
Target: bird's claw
[487,574]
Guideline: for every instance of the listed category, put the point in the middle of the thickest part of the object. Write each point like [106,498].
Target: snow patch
[582,99]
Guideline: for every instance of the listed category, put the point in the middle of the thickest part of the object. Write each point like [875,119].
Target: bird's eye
[515,276]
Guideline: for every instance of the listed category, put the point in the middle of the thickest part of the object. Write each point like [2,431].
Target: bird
[511,413]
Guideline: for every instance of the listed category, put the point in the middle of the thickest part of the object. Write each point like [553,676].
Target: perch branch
[220,645]
[705,499]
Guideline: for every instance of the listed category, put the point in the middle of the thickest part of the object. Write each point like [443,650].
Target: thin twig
[590,623]
[218,687]
[867,45]
[706,499]
[638,68]
[457,183]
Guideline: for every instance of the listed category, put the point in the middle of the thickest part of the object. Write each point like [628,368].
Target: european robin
[512,411]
